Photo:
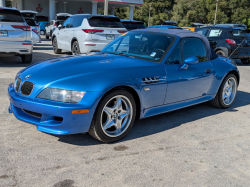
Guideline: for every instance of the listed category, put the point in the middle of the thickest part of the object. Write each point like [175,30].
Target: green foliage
[8,3]
[203,11]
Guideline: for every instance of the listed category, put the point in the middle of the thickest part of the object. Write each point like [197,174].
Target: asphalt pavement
[195,146]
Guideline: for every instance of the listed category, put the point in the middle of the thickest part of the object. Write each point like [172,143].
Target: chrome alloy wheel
[75,49]
[116,116]
[229,91]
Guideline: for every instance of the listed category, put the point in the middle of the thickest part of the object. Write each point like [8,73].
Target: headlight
[66,96]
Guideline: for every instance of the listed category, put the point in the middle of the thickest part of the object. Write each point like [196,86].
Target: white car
[30,17]
[15,35]
[53,24]
[85,32]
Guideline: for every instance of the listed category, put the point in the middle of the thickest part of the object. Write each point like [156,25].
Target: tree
[8,3]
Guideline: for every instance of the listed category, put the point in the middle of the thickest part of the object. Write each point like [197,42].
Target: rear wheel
[245,61]
[227,92]
[114,116]
[26,58]
[75,48]
[42,32]
[221,53]
[55,47]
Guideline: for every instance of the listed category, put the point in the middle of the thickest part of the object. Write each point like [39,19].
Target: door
[195,81]
[61,34]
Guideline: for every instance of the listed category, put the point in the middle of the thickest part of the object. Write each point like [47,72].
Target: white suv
[15,35]
[85,32]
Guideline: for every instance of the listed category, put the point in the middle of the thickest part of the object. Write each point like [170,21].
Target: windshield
[241,33]
[144,45]
[10,16]
[133,25]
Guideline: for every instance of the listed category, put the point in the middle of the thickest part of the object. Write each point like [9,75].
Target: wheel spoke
[118,125]
[108,111]
[108,124]
[118,105]
[124,113]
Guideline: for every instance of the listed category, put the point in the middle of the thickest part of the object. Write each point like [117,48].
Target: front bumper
[15,48]
[53,117]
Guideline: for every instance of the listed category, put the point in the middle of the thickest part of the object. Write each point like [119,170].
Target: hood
[95,65]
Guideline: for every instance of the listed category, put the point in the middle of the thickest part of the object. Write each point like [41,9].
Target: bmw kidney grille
[27,88]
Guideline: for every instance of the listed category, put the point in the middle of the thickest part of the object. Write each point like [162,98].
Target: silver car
[15,35]
[30,17]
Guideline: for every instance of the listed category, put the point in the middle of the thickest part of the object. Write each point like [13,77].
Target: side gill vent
[150,80]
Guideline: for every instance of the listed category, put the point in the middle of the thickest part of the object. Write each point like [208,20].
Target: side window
[215,33]
[76,22]
[202,31]
[193,47]
[67,23]
[175,57]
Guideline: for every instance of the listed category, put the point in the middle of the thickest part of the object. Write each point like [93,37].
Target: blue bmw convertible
[140,74]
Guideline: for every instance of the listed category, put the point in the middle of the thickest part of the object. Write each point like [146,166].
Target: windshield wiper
[122,54]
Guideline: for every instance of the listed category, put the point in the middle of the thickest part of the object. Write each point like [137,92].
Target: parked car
[189,28]
[233,25]
[30,18]
[233,42]
[103,93]
[43,25]
[60,18]
[85,32]
[169,22]
[15,35]
[133,24]
[197,25]
[165,27]
[41,18]
[49,28]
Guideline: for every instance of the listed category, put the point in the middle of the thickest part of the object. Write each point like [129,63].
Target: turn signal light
[80,111]
[230,41]
[91,31]
[25,28]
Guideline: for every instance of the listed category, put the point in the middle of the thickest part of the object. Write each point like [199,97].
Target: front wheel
[55,47]
[114,116]
[245,61]
[227,92]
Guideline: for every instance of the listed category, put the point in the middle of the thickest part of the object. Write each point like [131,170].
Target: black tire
[47,37]
[55,47]
[218,100]
[221,53]
[245,61]
[75,49]
[96,130]
[27,59]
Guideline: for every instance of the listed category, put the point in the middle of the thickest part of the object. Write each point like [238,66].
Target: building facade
[50,8]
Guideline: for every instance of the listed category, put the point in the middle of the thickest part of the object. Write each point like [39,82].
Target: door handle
[208,70]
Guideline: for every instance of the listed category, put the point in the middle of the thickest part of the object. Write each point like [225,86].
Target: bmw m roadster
[140,74]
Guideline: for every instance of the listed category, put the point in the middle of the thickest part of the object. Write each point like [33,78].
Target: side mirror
[60,27]
[190,61]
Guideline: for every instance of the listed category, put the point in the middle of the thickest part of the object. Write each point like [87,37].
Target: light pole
[216,12]
[106,7]
[149,15]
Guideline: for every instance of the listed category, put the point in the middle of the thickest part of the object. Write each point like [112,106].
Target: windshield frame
[137,56]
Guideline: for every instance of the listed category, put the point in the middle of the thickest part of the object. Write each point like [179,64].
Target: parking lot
[196,146]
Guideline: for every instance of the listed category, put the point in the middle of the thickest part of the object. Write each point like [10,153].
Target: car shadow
[163,122]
